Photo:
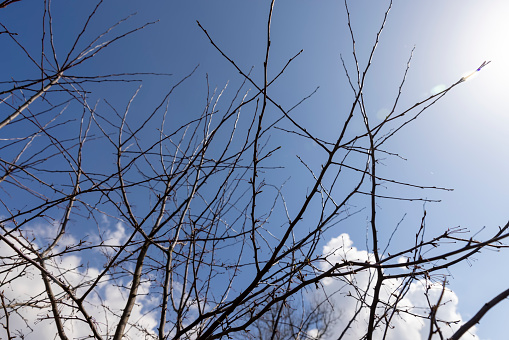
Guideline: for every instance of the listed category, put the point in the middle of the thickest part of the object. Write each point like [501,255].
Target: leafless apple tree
[206,246]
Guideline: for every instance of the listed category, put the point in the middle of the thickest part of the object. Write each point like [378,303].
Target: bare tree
[204,245]
[291,320]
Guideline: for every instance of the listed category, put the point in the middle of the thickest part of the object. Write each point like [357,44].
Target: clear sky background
[460,143]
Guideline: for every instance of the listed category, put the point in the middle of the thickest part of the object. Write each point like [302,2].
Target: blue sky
[459,143]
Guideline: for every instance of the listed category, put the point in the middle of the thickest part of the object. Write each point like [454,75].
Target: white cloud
[107,301]
[115,237]
[406,324]
[112,236]
[34,318]
[42,235]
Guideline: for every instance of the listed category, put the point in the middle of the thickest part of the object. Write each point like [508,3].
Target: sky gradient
[459,143]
